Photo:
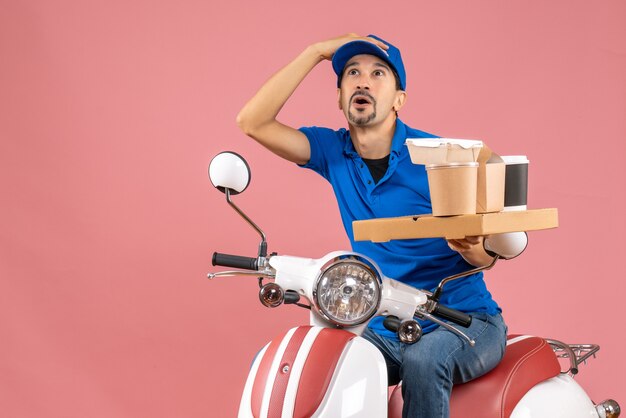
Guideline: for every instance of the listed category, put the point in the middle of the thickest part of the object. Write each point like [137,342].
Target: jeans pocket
[498,321]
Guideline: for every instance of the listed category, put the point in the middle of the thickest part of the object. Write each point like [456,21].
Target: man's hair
[395,75]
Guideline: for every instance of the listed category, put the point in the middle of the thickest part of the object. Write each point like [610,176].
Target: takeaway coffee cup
[453,188]
[515,182]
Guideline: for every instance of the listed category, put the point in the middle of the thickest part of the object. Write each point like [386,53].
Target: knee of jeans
[423,368]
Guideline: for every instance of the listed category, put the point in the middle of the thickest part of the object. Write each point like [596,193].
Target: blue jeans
[440,359]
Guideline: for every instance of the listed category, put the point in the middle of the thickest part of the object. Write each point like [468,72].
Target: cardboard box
[454,227]
[491,168]
[443,150]
[491,172]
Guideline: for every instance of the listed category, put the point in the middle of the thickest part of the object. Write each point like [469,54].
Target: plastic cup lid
[515,159]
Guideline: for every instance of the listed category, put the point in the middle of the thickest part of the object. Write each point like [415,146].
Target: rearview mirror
[229,170]
[507,245]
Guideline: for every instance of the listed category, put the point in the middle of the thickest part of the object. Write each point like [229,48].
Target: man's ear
[339,99]
[400,100]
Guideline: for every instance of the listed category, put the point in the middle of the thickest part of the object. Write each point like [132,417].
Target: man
[372,176]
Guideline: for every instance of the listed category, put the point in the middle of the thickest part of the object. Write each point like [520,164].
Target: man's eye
[353,72]
[378,73]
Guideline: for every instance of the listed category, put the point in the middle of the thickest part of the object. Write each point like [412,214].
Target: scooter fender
[558,397]
[316,372]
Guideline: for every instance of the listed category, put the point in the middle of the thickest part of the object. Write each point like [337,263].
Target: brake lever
[231,273]
[425,315]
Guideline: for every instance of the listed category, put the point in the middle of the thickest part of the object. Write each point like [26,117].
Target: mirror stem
[437,292]
[263,244]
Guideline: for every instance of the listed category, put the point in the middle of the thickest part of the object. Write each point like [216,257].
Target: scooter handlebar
[236,261]
[458,317]
[392,323]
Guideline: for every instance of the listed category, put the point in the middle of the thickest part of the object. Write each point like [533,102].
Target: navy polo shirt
[402,191]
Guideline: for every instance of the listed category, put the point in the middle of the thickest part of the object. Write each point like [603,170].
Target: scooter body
[557,397]
[323,372]
[316,372]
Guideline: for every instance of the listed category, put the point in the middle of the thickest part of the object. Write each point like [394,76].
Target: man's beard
[362,120]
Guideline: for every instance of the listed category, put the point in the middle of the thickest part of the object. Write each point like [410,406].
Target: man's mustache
[363,93]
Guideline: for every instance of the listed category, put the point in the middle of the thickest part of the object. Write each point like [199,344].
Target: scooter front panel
[258,389]
[294,374]
[358,388]
[267,372]
[284,374]
[312,377]
[245,405]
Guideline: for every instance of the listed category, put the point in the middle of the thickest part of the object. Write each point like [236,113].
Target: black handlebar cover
[236,261]
[392,323]
[458,317]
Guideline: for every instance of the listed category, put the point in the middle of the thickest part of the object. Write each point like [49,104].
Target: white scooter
[326,369]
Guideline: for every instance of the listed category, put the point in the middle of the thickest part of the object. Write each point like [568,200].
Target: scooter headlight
[347,292]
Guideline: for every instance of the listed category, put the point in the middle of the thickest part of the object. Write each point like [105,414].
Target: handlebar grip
[392,323]
[458,317]
[236,261]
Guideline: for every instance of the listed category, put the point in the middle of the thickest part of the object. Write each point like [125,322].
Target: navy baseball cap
[391,56]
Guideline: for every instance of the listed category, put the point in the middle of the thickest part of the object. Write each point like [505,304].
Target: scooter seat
[527,361]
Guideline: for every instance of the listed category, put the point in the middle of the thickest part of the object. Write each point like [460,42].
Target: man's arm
[257,119]
[472,250]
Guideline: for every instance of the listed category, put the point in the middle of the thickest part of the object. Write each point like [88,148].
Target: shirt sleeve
[321,141]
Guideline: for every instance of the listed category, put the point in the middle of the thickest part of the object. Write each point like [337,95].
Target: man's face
[368,94]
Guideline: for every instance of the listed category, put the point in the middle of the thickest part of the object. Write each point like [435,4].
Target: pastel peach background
[110,112]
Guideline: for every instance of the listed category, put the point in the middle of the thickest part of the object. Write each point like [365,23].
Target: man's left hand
[471,249]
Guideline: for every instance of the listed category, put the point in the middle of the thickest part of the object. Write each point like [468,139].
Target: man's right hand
[327,49]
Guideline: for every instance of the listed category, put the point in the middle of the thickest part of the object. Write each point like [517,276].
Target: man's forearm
[472,250]
[271,97]
[477,257]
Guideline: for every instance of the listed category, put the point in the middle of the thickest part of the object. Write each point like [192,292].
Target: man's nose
[363,83]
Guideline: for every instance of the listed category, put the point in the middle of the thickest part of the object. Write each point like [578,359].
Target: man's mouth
[361,101]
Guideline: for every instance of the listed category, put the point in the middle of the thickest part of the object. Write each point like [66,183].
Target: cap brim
[349,50]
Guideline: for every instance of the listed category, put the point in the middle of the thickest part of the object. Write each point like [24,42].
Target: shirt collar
[397,142]
[399,137]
